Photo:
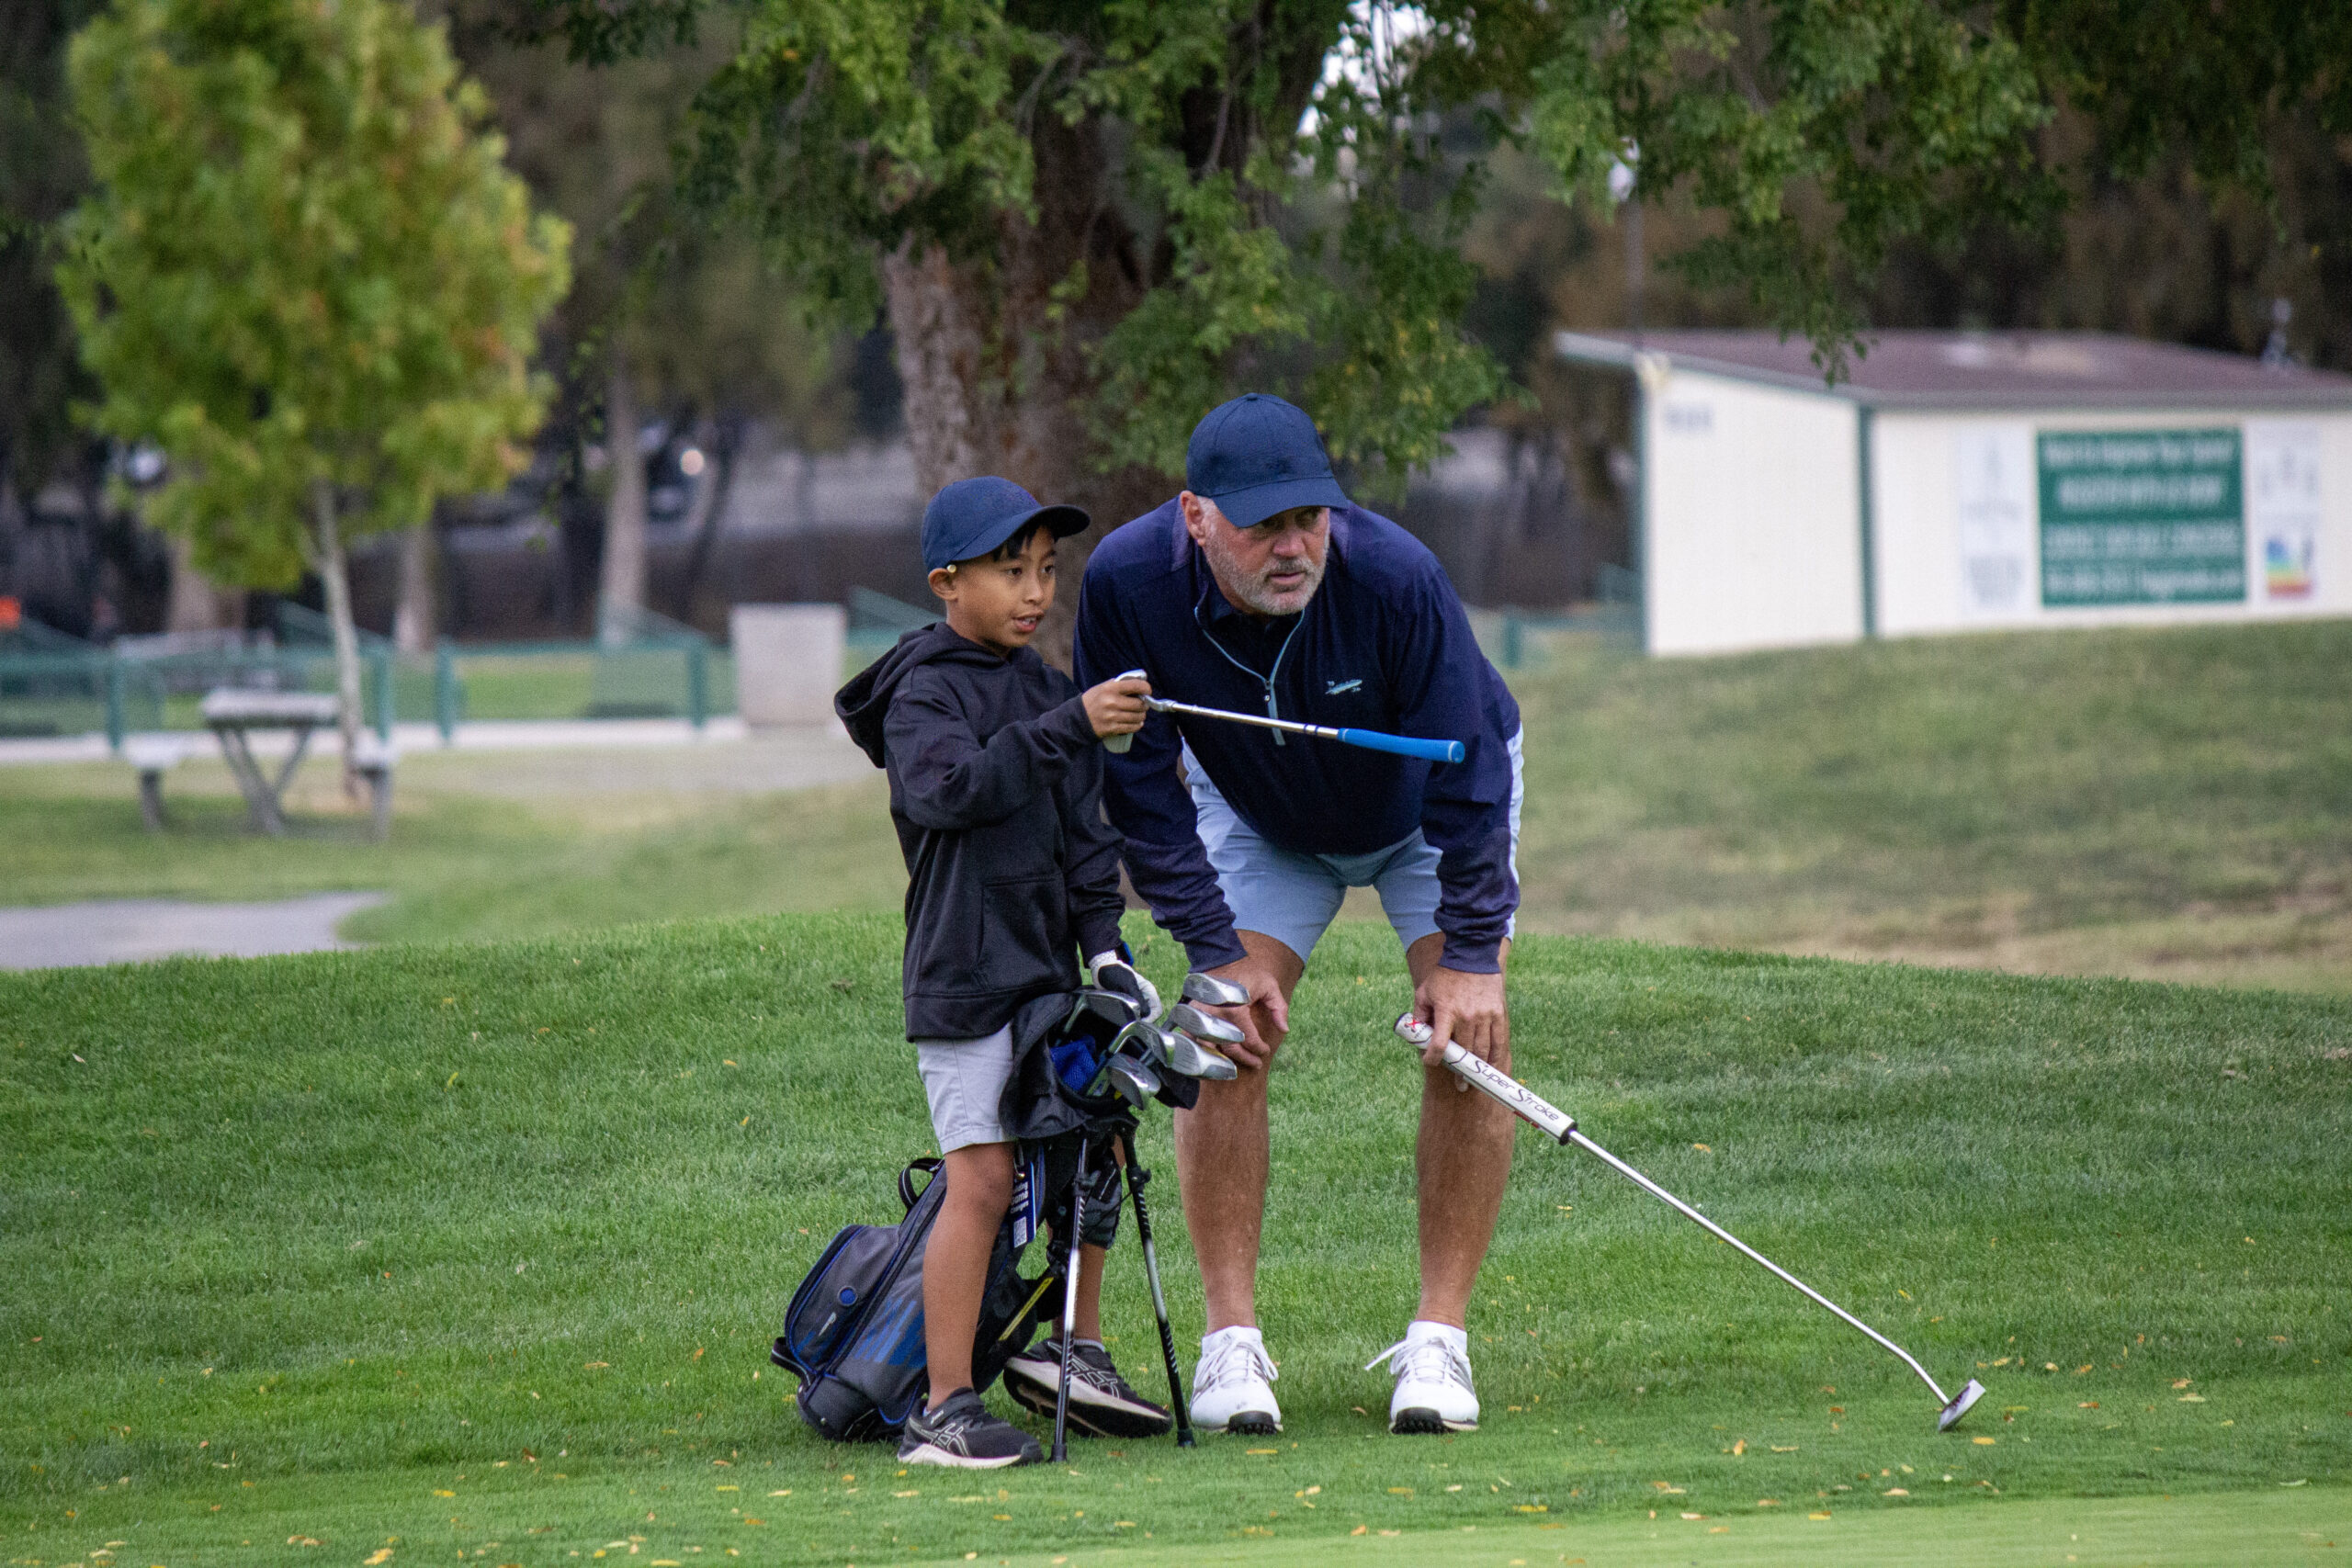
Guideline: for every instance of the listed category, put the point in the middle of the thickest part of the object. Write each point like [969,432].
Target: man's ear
[942,582]
[1197,522]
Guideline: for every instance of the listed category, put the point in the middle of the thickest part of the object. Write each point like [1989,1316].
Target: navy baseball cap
[972,517]
[1257,456]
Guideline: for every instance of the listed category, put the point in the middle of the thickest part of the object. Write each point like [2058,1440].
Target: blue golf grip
[1405,745]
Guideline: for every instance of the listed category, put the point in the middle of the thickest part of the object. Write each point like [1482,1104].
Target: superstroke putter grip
[1402,745]
[1493,1082]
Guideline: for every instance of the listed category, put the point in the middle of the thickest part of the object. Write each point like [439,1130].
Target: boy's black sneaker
[1100,1400]
[962,1433]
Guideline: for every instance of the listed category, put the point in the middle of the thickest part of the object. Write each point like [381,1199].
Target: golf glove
[1109,971]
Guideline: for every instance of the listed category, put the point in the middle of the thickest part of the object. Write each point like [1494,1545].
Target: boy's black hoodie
[996,789]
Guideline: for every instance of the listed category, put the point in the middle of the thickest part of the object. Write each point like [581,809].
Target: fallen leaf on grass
[2192,1399]
[1767,1502]
[1894,1491]
[381,1554]
[1779,1449]
[1694,1516]
[1982,1442]
[440,1492]
[1358,1531]
[1703,1148]
[1245,1450]
[1821,1514]
[2182,1382]
[2088,1405]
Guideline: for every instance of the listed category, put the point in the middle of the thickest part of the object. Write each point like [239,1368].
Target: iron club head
[1214,992]
[1134,1080]
[1188,1056]
[1959,1405]
[1201,1026]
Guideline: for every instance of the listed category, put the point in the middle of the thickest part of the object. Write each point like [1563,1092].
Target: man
[1261,588]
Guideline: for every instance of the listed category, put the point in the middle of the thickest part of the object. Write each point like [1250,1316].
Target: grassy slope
[447,1224]
[2175,804]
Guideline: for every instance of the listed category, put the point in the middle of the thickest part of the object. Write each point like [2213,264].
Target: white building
[1965,481]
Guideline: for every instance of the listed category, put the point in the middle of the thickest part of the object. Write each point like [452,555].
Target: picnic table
[234,714]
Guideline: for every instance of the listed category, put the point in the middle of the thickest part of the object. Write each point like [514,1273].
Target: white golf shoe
[1433,1393]
[1233,1385]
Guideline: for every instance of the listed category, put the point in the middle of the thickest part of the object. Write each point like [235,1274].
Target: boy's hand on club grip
[1115,707]
[1467,1010]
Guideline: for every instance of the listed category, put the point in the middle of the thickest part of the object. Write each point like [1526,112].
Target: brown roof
[2018,369]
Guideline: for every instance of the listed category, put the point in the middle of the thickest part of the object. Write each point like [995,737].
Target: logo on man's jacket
[1341,688]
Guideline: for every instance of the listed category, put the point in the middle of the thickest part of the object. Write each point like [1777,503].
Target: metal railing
[655,669]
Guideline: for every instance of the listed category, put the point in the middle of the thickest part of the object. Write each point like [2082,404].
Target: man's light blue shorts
[1293,897]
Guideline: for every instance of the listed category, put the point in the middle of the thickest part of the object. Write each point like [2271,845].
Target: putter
[1137,1177]
[1368,739]
[1070,1309]
[1532,1108]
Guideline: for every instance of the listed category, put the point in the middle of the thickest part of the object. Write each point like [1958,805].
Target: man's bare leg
[1222,1161]
[1462,1161]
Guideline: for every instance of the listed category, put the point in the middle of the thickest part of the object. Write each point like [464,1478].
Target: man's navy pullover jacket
[1383,645]
[996,789]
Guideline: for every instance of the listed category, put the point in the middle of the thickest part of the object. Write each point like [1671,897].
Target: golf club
[1369,739]
[1529,1106]
[1186,1051]
[1070,1263]
[1210,991]
[1134,1078]
[1137,1177]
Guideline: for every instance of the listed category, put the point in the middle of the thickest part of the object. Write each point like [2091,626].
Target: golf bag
[853,1334]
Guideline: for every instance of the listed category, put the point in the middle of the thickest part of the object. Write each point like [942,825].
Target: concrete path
[120,931]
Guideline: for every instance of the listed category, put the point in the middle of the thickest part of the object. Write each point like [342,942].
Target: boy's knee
[980,1175]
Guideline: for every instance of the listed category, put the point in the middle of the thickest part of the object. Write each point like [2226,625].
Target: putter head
[1959,1405]
[1134,1080]
[1201,1026]
[1216,993]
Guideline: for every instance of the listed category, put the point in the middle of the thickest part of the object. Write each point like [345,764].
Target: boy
[996,789]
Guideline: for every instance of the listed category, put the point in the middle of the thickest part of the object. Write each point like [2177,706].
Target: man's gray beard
[1252,591]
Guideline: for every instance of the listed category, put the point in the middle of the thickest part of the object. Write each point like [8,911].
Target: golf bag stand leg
[1137,1177]
[1072,1258]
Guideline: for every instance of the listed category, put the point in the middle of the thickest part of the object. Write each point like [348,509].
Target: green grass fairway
[481,1248]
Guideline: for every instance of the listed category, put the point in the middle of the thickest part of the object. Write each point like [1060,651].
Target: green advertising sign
[2141,517]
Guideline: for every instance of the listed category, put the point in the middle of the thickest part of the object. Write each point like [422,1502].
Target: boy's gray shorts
[965,1081]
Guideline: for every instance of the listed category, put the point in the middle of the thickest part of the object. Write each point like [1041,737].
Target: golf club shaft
[1534,1108]
[1073,1260]
[1369,739]
[1137,1177]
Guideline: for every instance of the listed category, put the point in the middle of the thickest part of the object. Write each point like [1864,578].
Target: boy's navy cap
[1257,456]
[972,517]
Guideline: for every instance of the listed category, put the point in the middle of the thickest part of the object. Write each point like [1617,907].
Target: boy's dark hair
[1017,543]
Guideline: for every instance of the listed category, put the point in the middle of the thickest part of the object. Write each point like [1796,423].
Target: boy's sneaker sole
[1420,1420]
[930,1453]
[1034,1382]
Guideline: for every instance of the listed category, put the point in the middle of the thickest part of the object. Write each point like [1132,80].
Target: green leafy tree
[1087,221]
[306,276]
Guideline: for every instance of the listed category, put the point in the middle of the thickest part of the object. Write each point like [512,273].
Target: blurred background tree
[305,276]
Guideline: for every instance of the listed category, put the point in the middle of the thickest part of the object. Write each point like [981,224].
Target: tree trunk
[196,603]
[621,592]
[996,383]
[412,620]
[334,572]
